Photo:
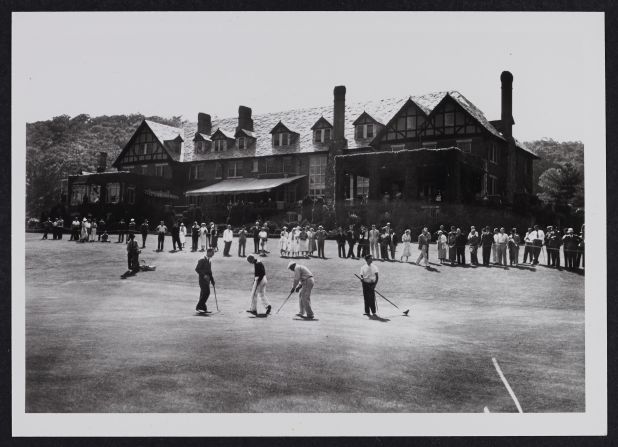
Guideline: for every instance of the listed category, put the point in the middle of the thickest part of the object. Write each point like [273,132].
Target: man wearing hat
[528,246]
[255,232]
[538,238]
[144,231]
[242,241]
[195,236]
[303,281]
[259,286]
[570,242]
[132,253]
[132,228]
[320,236]
[203,236]
[161,230]
[369,280]
[228,237]
[487,240]
[204,272]
[176,236]
[553,241]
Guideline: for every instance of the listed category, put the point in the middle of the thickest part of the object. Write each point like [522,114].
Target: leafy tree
[562,187]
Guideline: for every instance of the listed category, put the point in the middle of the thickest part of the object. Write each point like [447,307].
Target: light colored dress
[93,231]
[311,236]
[182,233]
[296,242]
[442,246]
[303,246]
[406,239]
[283,241]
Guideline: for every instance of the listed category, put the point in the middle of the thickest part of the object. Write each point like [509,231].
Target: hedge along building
[435,152]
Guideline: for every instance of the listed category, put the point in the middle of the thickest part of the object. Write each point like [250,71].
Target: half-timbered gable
[405,125]
[144,148]
[450,119]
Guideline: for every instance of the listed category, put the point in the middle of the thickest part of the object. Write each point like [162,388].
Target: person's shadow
[378,318]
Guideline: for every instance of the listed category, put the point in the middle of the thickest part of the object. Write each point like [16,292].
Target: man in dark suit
[255,232]
[204,272]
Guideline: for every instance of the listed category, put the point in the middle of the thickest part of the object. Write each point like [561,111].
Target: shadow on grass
[378,318]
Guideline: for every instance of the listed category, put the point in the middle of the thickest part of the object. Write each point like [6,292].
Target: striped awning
[243,185]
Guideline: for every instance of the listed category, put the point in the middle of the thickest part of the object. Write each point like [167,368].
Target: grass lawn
[96,343]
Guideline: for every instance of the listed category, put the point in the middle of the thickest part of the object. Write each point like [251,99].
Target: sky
[181,63]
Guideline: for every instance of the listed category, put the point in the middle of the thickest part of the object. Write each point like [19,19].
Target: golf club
[405,312]
[285,301]
[216,302]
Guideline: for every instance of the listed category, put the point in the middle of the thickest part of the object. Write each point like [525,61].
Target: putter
[405,312]
[216,302]
[285,301]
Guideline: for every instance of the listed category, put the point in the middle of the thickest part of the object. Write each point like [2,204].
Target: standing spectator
[473,240]
[132,253]
[263,240]
[121,230]
[374,242]
[182,234]
[303,242]
[320,236]
[161,230]
[84,231]
[311,235]
[394,239]
[513,244]
[75,230]
[502,240]
[93,230]
[88,230]
[242,241]
[553,241]
[204,236]
[101,228]
[452,251]
[340,238]
[487,241]
[528,246]
[228,237]
[54,229]
[363,242]
[494,247]
[295,241]
[283,241]
[423,246]
[132,227]
[406,240]
[176,236]
[214,237]
[47,227]
[460,247]
[350,237]
[538,238]
[385,242]
[143,229]
[255,231]
[581,249]
[570,242]
[195,236]
[442,243]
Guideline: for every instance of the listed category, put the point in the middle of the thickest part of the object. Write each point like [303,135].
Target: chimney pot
[507,103]
[204,123]
[244,118]
[102,162]
[339,113]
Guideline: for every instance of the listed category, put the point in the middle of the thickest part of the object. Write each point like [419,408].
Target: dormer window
[364,131]
[220,145]
[241,142]
[321,135]
[281,139]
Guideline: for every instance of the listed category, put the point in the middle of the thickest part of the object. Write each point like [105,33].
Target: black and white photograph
[308,223]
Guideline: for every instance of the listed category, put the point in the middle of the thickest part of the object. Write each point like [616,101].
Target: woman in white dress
[182,234]
[283,242]
[203,235]
[93,230]
[442,246]
[303,242]
[312,246]
[295,242]
[263,240]
[84,231]
[406,239]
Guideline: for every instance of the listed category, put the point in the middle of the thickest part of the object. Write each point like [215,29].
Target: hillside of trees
[64,146]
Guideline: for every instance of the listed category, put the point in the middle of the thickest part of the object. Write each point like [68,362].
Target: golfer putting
[303,282]
[259,286]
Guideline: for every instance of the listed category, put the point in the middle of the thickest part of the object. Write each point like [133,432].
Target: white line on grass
[506,384]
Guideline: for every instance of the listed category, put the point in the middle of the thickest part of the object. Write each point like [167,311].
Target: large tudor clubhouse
[437,154]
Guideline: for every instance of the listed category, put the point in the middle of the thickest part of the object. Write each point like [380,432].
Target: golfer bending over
[259,286]
[369,280]
[303,281]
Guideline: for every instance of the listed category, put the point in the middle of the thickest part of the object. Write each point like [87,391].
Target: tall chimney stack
[204,123]
[339,113]
[507,103]
[244,118]
[102,162]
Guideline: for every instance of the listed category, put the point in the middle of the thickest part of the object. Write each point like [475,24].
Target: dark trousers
[133,261]
[226,248]
[242,243]
[369,294]
[204,294]
[393,248]
[160,242]
[45,234]
[120,236]
[341,249]
[486,254]
[536,250]
[214,243]
[553,257]
[350,249]
[514,254]
[194,241]
[362,249]
[527,252]
[461,255]
[256,245]
[384,252]
[176,241]
[321,248]
[144,236]
[569,258]
[474,259]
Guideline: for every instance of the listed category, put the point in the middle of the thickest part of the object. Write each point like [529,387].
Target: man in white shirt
[303,281]
[501,240]
[228,236]
[528,246]
[538,238]
[369,279]
[161,230]
[374,241]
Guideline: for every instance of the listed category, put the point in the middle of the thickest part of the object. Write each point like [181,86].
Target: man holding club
[259,286]
[369,279]
[204,271]
[303,281]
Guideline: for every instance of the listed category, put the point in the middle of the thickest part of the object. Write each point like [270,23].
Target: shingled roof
[302,120]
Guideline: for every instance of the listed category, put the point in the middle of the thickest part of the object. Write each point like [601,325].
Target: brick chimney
[244,118]
[102,162]
[339,113]
[507,103]
[204,123]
